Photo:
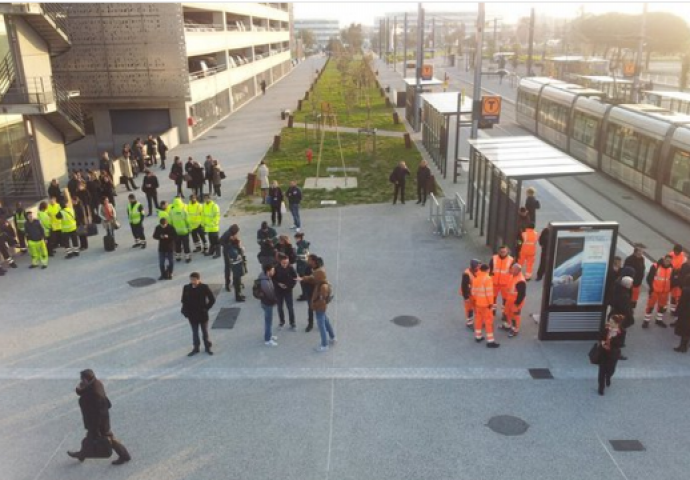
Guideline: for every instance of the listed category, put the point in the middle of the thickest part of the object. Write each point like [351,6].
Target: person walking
[268,301]
[637,263]
[162,150]
[35,235]
[517,292]
[19,218]
[319,302]
[682,326]
[262,172]
[284,280]
[166,236]
[528,250]
[532,204]
[150,187]
[610,341]
[423,178]
[135,214]
[294,196]
[94,405]
[499,270]
[126,174]
[233,256]
[483,296]
[195,216]
[177,175]
[659,281]
[152,150]
[197,300]
[543,252]
[397,178]
[466,291]
[177,216]
[68,227]
[211,221]
[109,215]
[301,261]
[275,200]
[263,86]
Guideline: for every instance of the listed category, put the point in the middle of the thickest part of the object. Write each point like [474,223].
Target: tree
[353,36]
[308,38]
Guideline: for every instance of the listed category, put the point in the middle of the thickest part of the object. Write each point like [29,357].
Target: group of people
[425,182]
[273,196]
[197,176]
[144,153]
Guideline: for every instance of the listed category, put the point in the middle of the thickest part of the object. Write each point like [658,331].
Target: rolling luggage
[98,447]
[109,243]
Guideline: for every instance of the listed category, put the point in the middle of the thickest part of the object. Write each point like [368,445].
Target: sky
[364,12]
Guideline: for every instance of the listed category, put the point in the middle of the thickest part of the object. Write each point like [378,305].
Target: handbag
[283,209]
[173,176]
[222,175]
[187,177]
[98,447]
[595,354]
[116,225]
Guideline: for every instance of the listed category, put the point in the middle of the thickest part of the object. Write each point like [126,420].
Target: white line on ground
[51,458]
[611,457]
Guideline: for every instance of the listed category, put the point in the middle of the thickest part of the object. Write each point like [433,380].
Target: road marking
[620,470]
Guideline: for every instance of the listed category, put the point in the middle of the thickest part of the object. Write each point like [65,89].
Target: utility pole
[433,39]
[385,42]
[380,37]
[405,47]
[530,50]
[638,64]
[496,49]
[395,44]
[477,90]
[420,61]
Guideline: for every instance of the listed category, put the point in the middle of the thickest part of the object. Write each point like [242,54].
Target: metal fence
[448,216]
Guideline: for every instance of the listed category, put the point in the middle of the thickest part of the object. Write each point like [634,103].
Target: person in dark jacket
[150,187]
[611,341]
[268,301]
[152,149]
[314,262]
[637,263]
[275,200]
[107,188]
[162,150]
[165,234]
[621,304]
[267,238]
[301,254]
[423,177]
[197,182]
[294,196]
[81,215]
[397,178]
[284,281]
[106,165]
[197,300]
[94,405]
[35,236]
[177,171]
[543,256]
[682,325]
[613,274]
[532,204]
[285,247]
[55,191]
[93,186]
[233,255]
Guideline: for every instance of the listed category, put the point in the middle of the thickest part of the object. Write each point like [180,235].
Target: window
[680,172]
[585,129]
[632,149]
[553,115]
[527,104]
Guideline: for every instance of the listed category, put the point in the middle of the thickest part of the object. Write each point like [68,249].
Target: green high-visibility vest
[44,217]
[178,219]
[20,220]
[53,210]
[211,217]
[69,223]
[133,210]
[195,212]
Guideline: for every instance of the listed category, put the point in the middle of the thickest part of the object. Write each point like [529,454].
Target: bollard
[276,143]
[306,95]
[251,184]
[388,102]
[299,105]
[282,115]
[396,118]
[408,140]
[291,120]
[381,91]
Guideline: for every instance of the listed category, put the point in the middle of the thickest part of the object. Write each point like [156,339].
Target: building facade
[168,69]
[323,29]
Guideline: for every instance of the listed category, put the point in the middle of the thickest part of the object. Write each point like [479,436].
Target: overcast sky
[365,12]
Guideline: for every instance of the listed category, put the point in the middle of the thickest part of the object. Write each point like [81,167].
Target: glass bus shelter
[428,86]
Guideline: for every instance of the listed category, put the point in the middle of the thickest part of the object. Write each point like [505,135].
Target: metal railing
[448,216]
[209,72]
[67,106]
[204,27]
[7,73]
[57,13]
[19,181]
[36,91]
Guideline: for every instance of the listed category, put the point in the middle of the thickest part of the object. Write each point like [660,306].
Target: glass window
[585,129]
[647,157]
[527,104]
[613,141]
[630,148]
[680,172]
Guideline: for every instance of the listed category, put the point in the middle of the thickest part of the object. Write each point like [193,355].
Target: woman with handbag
[610,350]
[177,175]
[82,218]
[217,176]
[108,215]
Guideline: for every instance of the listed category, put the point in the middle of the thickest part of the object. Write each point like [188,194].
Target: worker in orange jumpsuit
[678,258]
[528,250]
[659,281]
[483,296]
[466,291]
[499,269]
[517,292]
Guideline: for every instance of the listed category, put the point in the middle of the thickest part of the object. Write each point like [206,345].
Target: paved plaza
[386,403]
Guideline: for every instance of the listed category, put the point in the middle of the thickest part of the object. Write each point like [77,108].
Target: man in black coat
[621,304]
[94,405]
[197,300]
[683,312]
[285,279]
[397,178]
[543,256]
[150,187]
[636,262]
[423,177]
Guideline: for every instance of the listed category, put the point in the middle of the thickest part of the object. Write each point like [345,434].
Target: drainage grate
[627,445]
[226,318]
[541,373]
[406,321]
[141,282]
[508,425]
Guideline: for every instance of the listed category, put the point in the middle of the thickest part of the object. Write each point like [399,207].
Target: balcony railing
[208,72]
[19,181]
[204,27]
[57,13]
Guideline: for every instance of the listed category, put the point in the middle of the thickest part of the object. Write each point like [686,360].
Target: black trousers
[138,232]
[200,321]
[607,368]
[285,298]
[276,213]
[199,236]
[213,243]
[216,189]
[152,199]
[421,193]
[182,242]
[129,181]
[118,447]
[399,188]
[542,264]
[54,241]
[236,279]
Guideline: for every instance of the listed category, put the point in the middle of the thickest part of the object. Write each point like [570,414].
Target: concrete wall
[33,51]
[51,150]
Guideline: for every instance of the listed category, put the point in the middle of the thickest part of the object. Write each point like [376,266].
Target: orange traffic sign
[427,72]
[491,106]
[629,69]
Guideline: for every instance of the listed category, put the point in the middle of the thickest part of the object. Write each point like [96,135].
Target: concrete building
[38,115]
[323,29]
[169,69]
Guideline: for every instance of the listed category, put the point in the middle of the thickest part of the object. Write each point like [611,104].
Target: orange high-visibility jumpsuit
[500,272]
[483,295]
[528,251]
[514,310]
[658,296]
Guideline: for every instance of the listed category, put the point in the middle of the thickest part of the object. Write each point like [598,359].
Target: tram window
[527,104]
[647,156]
[614,137]
[680,172]
[553,115]
[585,129]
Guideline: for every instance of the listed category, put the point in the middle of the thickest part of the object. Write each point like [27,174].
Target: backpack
[257,291]
[331,293]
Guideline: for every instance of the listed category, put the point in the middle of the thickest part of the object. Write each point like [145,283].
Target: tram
[646,147]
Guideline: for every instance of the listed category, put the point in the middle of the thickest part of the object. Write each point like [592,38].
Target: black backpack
[257,291]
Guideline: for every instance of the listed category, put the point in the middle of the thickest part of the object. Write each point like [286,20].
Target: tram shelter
[498,167]
[427,86]
[441,112]
[674,101]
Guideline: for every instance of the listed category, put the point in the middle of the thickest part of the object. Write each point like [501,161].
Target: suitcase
[98,447]
[109,243]
[91,230]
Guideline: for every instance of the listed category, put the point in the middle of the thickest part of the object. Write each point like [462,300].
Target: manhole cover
[541,373]
[406,321]
[142,282]
[508,425]
[226,318]
[627,445]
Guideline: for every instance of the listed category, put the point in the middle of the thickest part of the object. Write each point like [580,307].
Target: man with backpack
[264,290]
[321,297]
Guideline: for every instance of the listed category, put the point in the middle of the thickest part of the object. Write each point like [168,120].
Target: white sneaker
[321,348]
[274,338]
[333,341]
[271,343]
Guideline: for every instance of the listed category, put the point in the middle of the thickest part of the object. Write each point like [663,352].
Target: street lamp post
[477,90]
